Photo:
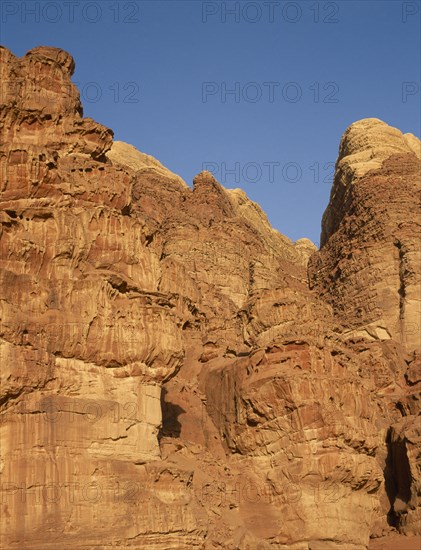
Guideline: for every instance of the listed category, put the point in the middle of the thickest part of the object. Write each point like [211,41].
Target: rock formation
[178,374]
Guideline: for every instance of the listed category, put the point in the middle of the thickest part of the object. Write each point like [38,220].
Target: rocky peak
[365,145]
[211,197]
[370,237]
[40,82]
[173,365]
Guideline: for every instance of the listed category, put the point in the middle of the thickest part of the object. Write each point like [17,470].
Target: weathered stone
[178,374]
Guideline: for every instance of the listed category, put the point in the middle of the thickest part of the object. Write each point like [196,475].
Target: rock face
[369,265]
[178,374]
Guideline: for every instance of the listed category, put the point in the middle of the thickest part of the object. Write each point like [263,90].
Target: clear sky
[160,73]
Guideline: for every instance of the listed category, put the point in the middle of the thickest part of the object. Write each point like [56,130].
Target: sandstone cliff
[178,374]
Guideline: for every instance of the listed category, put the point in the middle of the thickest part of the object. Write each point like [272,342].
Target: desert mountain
[177,374]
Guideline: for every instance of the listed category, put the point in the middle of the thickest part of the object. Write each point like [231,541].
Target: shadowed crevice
[397,479]
[171,427]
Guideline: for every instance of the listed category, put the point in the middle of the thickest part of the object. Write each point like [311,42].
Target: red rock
[178,374]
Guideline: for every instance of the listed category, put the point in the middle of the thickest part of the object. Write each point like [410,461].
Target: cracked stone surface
[177,374]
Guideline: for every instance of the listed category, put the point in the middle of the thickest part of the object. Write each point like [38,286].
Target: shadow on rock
[171,427]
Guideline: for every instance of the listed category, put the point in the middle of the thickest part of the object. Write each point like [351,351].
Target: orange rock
[178,374]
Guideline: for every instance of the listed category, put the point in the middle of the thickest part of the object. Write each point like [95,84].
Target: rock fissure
[150,331]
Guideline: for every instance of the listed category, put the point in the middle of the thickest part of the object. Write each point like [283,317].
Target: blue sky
[160,73]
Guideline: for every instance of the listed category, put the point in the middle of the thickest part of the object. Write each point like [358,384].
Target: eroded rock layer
[178,374]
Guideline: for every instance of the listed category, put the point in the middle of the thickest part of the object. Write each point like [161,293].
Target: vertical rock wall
[177,374]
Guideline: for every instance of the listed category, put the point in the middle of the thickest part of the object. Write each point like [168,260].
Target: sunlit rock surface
[177,374]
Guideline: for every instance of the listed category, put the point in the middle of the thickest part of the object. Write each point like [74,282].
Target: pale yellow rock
[176,374]
[414,143]
[368,142]
[129,156]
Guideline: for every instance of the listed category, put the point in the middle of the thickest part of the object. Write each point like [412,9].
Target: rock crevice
[173,365]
